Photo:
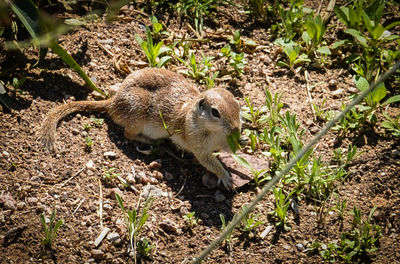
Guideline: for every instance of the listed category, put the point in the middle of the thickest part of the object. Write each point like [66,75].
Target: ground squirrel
[198,122]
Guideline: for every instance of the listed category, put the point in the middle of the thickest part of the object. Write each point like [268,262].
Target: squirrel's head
[219,111]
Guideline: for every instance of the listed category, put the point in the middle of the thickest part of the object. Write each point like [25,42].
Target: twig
[105,49]
[101,205]
[79,205]
[307,76]
[195,32]
[70,178]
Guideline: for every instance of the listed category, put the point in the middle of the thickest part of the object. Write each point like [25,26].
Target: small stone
[352,89]
[110,154]
[155,164]
[158,175]
[6,154]
[219,196]
[35,179]
[309,122]
[151,190]
[130,178]
[75,131]
[300,246]
[141,177]
[314,129]
[115,191]
[170,226]
[107,207]
[101,236]
[32,200]
[106,41]
[113,237]
[337,93]
[21,205]
[333,83]
[97,254]
[90,165]
[8,201]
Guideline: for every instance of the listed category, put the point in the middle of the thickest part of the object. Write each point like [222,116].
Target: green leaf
[64,55]
[357,36]
[28,13]
[339,43]
[379,93]
[240,160]
[391,25]
[361,83]
[164,60]
[342,14]
[392,99]
[324,50]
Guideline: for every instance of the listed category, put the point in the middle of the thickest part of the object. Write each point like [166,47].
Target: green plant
[155,53]
[190,219]
[274,106]
[291,18]
[87,127]
[197,10]
[282,204]
[253,114]
[340,206]
[363,24]
[50,228]
[28,13]
[157,31]
[144,247]
[392,124]
[236,60]
[88,143]
[292,51]
[109,174]
[227,239]
[314,36]
[201,72]
[134,222]
[356,243]
[98,122]
[249,224]
[259,8]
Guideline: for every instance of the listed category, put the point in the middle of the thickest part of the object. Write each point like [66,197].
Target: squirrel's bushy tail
[47,132]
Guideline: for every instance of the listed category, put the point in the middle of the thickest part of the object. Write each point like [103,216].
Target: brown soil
[39,182]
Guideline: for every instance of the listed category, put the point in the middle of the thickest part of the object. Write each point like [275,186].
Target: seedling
[227,239]
[134,222]
[190,219]
[50,228]
[282,204]
[155,53]
[259,8]
[249,224]
[157,31]
[340,206]
[392,124]
[109,174]
[98,122]
[88,143]
[313,36]
[236,61]
[86,127]
[201,72]
[294,58]
[144,247]
[253,114]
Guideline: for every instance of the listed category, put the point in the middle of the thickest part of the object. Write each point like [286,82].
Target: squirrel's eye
[215,113]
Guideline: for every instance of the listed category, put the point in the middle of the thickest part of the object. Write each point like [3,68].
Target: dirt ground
[32,181]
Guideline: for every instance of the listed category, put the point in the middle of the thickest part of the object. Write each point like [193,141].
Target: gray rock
[337,93]
[151,190]
[170,226]
[300,246]
[113,236]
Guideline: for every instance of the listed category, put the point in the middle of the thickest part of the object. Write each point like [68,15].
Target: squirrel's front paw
[226,181]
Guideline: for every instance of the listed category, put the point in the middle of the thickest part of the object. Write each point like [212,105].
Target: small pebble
[113,236]
[75,131]
[90,165]
[6,154]
[158,175]
[337,93]
[21,205]
[107,206]
[110,154]
[97,254]
[32,200]
[300,246]
[170,226]
[130,178]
